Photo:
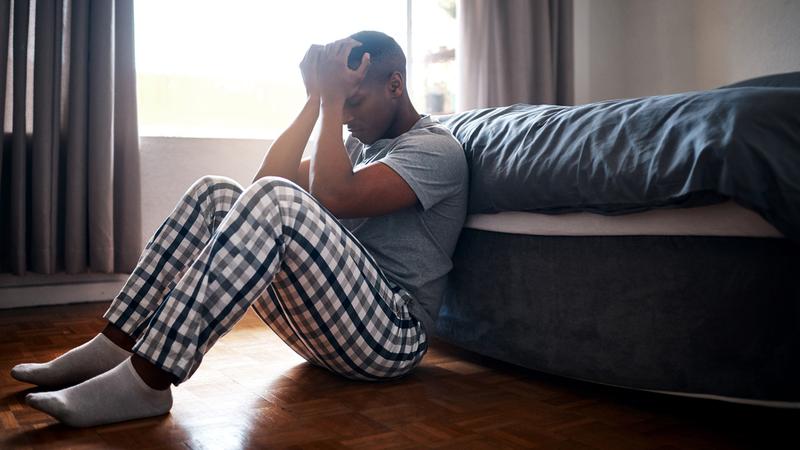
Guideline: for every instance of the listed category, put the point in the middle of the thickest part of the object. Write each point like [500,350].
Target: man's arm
[283,157]
[302,174]
[374,189]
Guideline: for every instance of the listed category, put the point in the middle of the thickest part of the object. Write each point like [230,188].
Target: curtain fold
[515,51]
[127,182]
[70,182]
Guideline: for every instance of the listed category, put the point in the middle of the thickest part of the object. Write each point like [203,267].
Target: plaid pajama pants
[274,247]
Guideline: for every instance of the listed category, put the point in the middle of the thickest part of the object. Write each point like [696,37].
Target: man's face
[369,112]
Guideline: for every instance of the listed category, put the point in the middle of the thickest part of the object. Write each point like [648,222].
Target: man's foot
[117,395]
[75,366]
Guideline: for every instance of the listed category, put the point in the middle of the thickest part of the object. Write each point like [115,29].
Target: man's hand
[309,67]
[337,82]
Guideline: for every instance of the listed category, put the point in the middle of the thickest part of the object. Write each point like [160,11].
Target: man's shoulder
[436,147]
[432,133]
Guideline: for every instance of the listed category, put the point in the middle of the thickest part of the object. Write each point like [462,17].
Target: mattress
[699,302]
[721,219]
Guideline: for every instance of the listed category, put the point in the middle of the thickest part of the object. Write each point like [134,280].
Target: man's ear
[396,84]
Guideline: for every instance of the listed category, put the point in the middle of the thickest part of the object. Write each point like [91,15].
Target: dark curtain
[515,51]
[69,165]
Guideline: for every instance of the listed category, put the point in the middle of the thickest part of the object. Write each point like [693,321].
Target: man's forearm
[284,155]
[331,168]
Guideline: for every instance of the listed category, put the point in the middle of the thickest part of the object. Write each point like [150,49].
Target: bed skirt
[709,316]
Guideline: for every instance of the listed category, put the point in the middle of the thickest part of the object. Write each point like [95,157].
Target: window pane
[230,69]
[433,46]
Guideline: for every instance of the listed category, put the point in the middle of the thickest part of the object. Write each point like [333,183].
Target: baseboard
[59,289]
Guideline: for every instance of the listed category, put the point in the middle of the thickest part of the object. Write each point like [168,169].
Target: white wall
[741,39]
[631,48]
[170,165]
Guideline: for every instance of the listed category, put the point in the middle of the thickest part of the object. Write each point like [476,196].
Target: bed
[687,284]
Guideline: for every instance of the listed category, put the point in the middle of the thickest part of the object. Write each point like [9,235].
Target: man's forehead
[363,90]
[360,92]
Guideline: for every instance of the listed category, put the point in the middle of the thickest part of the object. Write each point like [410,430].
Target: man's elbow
[329,203]
[337,203]
[337,196]
[324,192]
[324,196]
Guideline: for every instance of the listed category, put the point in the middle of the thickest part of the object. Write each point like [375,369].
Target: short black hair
[386,56]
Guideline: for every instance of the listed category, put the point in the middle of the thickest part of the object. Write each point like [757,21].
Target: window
[207,68]
[432,76]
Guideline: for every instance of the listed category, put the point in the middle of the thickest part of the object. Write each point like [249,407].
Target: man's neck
[406,117]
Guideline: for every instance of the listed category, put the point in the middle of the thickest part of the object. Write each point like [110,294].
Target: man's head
[372,111]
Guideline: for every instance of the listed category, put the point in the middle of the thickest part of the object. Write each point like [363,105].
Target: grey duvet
[621,156]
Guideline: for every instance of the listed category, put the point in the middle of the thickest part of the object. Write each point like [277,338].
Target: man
[343,255]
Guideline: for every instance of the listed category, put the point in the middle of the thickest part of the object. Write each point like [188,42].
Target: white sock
[77,365]
[117,395]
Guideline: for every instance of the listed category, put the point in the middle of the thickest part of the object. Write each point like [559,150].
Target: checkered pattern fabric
[271,246]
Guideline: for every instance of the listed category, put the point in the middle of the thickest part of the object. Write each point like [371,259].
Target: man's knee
[271,183]
[215,182]
[274,192]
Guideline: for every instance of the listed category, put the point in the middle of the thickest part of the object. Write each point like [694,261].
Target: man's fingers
[362,68]
[306,56]
[315,51]
[337,48]
[348,44]
[341,47]
[333,48]
[340,50]
[340,41]
[314,48]
[312,54]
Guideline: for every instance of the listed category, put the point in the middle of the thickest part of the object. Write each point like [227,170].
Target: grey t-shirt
[414,246]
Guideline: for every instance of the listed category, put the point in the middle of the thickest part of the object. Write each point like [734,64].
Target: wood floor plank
[253,391]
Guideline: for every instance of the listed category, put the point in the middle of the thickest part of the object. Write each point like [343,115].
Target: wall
[170,165]
[632,48]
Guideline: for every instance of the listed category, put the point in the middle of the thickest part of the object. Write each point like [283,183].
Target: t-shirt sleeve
[353,147]
[434,168]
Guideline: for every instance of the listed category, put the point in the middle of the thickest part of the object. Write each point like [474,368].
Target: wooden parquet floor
[252,391]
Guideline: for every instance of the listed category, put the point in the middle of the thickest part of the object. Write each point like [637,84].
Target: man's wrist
[332,101]
[313,99]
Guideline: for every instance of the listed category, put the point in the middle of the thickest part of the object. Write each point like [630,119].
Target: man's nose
[346,117]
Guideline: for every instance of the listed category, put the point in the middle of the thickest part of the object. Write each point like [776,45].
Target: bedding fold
[622,156]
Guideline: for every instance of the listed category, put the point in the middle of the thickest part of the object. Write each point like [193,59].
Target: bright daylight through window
[207,68]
